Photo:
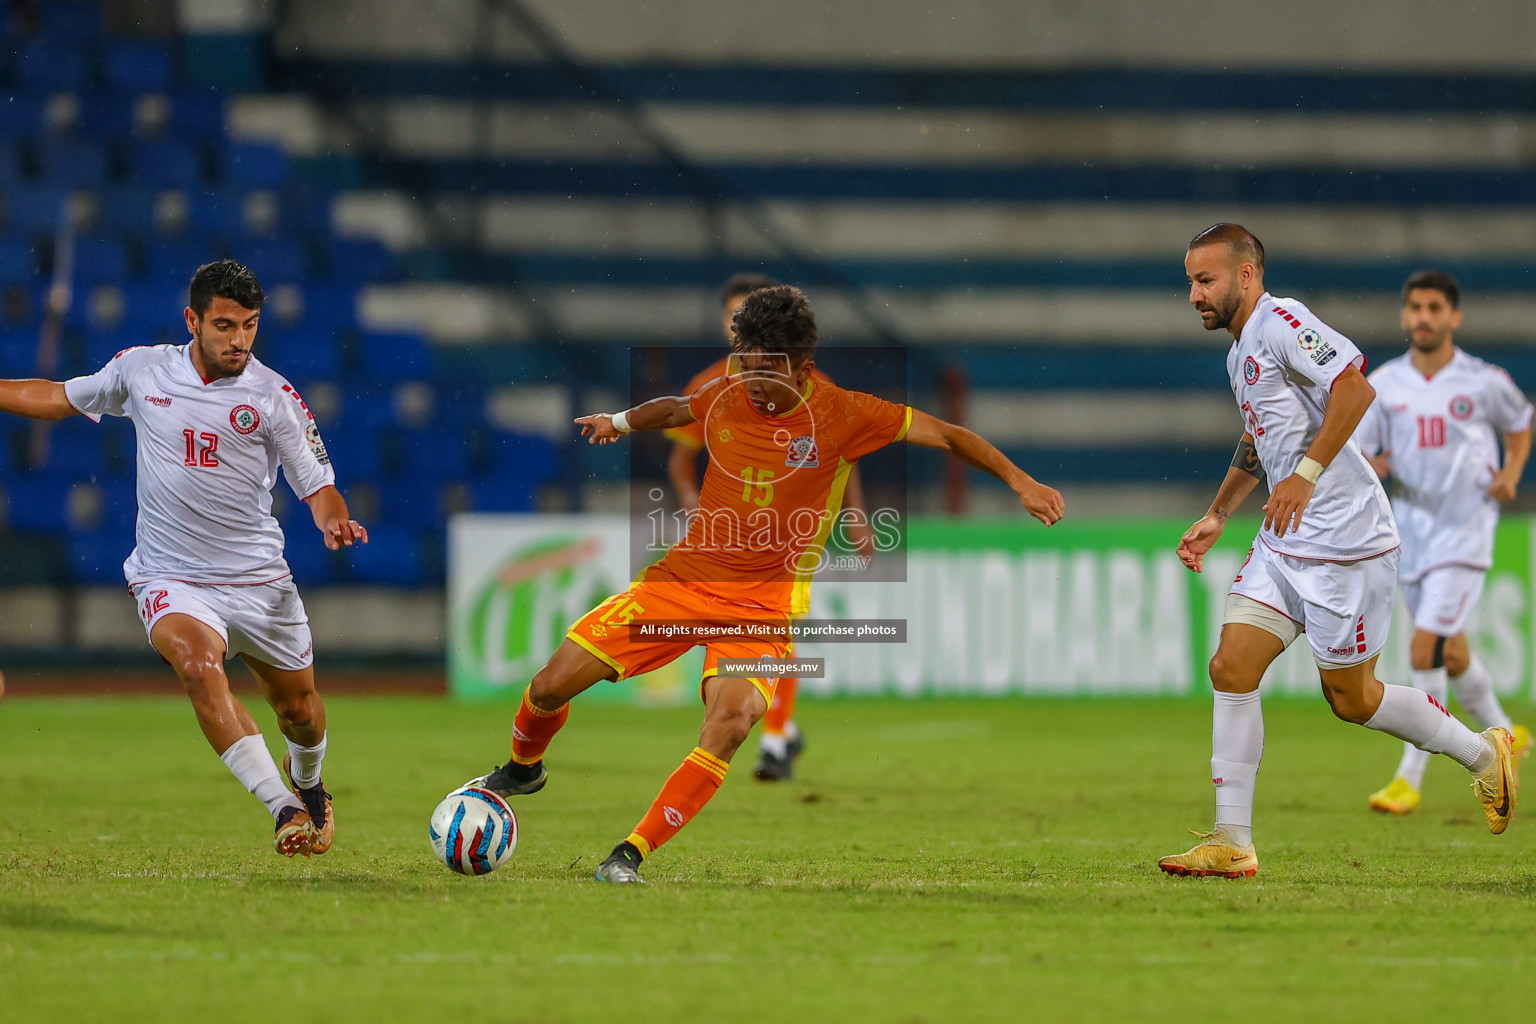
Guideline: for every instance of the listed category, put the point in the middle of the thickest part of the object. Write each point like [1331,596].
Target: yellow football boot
[1398,797]
[1499,785]
[1215,855]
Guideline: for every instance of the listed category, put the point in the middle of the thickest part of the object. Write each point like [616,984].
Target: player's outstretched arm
[1352,395]
[1042,502]
[1243,476]
[657,414]
[1517,450]
[35,399]
[330,511]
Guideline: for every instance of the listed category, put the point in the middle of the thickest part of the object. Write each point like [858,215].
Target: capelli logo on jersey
[164,403]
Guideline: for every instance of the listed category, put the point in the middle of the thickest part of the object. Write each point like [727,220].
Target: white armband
[621,422]
[1309,469]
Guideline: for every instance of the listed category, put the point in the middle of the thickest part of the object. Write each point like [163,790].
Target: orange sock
[783,707]
[685,793]
[532,730]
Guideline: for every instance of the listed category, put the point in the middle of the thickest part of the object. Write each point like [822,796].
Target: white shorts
[265,620]
[1345,608]
[1442,600]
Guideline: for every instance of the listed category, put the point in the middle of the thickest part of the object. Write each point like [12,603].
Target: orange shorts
[610,631]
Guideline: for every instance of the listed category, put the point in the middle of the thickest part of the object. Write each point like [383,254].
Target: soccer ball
[473,831]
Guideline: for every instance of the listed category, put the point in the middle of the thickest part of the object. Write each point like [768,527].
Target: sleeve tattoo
[1246,458]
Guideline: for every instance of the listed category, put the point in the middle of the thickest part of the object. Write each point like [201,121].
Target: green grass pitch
[938,861]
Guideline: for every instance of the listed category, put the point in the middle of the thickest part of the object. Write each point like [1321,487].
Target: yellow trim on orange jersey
[906,425]
[810,558]
[763,686]
[591,648]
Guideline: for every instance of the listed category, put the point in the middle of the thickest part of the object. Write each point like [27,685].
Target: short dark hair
[224,279]
[744,284]
[1241,242]
[1439,280]
[776,319]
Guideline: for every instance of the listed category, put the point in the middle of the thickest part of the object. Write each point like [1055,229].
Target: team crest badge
[802,453]
[244,419]
[1250,370]
[316,445]
[1461,407]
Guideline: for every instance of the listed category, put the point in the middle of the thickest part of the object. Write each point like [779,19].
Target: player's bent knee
[544,689]
[1227,676]
[296,708]
[1348,705]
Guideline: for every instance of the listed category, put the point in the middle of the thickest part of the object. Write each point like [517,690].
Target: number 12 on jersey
[203,455]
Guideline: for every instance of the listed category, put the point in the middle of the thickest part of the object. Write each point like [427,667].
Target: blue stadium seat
[523,456]
[171,262]
[417,506]
[69,22]
[73,161]
[196,115]
[74,449]
[357,260]
[356,453]
[106,115]
[392,556]
[18,353]
[98,556]
[23,116]
[299,355]
[18,263]
[11,170]
[433,455]
[210,212]
[254,165]
[126,209]
[312,563]
[100,261]
[503,494]
[165,164]
[45,67]
[367,408]
[36,501]
[276,262]
[138,66]
[394,356]
[35,208]
[155,306]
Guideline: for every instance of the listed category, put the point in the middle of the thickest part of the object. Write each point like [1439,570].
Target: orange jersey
[692,434]
[773,489]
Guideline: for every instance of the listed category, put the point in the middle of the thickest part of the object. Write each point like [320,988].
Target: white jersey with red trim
[208,455]
[1283,368]
[1443,433]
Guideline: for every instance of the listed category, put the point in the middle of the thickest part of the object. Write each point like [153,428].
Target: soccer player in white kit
[1324,561]
[1435,428]
[207,572]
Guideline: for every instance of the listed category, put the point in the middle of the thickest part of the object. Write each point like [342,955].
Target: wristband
[1309,469]
[621,422]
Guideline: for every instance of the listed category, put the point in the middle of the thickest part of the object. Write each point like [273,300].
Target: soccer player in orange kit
[781,448]
[781,741]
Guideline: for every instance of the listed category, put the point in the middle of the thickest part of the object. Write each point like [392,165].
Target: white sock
[1237,746]
[306,761]
[1412,716]
[251,762]
[1474,691]
[1411,768]
[773,744]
